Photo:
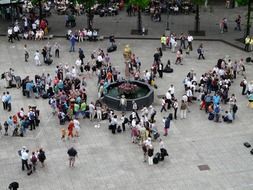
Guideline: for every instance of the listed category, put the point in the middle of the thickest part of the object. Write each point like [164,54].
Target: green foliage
[198,2]
[242,2]
[36,2]
[140,3]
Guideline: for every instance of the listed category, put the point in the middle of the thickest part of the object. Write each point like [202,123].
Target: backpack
[33,159]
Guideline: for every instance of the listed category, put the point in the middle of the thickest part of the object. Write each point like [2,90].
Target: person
[70,129]
[10,35]
[37,58]
[4,101]
[183,109]
[167,124]
[8,101]
[41,157]
[72,155]
[163,42]
[163,102]
[24,158]
[63,134]
[175,107]
[160,69]
[238,23]
[33,160]
[123,103]
[91,111]
[228,118]
[57,50]
[77,127]
[200,51]
[150,154]
[189,40]
[72,43]
[26,53]
[162,150]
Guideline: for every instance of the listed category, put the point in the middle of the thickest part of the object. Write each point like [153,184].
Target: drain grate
[203,167]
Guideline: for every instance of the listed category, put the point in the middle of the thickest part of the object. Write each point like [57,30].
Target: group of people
[19,123]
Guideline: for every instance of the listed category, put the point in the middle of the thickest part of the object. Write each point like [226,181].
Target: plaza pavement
[112,162]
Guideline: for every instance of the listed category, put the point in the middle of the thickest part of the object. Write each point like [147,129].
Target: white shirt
[78,62]
[172,90]
[24,155]
[10,31]
[190,38]
[168,96]
[100,59]
[91,108]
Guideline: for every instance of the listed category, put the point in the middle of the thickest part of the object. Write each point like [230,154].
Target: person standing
[42,157]
[243,84]
[238,23]
[8,101]
[16,32]
[4,101]
[72,156]
[10,34]
[167,125]
[247,43]
[91,111]
[182,41]
[70,129]
[57,50]
[183,109]
[123,103]
[175,106]
[160,69]
[72,43]
[24,158]
[150,154]
[26,53]
[33,160]
[37,58]
[77,127]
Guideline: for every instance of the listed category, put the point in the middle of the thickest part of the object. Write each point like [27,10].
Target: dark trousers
[243,90]
[26,56]
[8,106]
[10,38]
[5,105]
[234,73]
[57,53]
[201,56]
[160,73]
[163,108]
[25,164]
[175,113]
[32,124]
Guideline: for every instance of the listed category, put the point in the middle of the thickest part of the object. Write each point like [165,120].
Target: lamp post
[248,19]
[167,30]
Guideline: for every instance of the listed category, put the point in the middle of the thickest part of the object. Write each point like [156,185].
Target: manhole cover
[203,167]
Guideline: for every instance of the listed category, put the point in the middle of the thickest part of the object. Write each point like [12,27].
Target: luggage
[156,136]
[247,145]
[49,61]
[210,116]
[112,48]
[156,158]
[119,130]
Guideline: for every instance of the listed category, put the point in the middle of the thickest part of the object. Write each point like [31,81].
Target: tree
[242,2]
[88,4]
[141,4]
[38,3]
[198,3]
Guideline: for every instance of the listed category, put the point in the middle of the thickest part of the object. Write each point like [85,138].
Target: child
[63,134]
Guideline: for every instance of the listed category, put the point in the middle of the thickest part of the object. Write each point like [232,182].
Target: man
[168,99]
[10,35]
[4,100]
[16,32]
[238,23]
[175,106]
[190,39]
[160,69]
[200,51]
[8,101]
[72,155]
[72,43]
[24,158]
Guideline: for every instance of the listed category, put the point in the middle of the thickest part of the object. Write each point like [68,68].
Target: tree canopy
[140,3]
[242,2]
[198,2]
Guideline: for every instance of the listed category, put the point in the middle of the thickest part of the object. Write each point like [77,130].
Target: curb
[156,38]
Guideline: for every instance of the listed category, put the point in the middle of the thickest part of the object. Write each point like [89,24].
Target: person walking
[33,160]
[57,50]
[4,101]
[163,105]
[8,101]
[167,124]
[26,53]
[200,51]
[70,129]
[238,23]
[72,43]
[72,156]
